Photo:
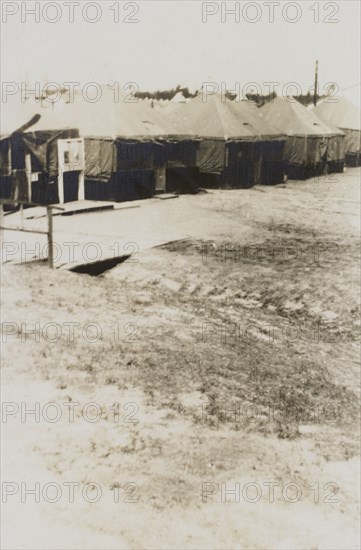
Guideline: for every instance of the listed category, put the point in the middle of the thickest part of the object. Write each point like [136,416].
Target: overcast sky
[171,44]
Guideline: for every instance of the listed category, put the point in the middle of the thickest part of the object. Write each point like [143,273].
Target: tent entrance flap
[100,159]
[211,156]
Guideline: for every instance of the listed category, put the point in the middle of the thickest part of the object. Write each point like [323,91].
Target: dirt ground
[200,372]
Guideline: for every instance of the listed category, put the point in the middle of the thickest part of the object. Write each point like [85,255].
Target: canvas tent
[343,114]
[312,146]
[123,155]
[128,141]
[181,153]
[178,98]
[29,154]
[129,150]
[231,143]
[271,145]
[250,105]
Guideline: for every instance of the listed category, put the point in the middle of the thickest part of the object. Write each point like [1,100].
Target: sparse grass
[278,408]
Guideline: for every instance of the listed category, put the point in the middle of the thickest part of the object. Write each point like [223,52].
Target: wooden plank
[23,230]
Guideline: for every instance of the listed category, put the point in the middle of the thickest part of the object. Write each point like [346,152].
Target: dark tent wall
[243,161]
[268,141]
[18,168]
[305,156]
[232,164]
[309,156]
[100,164]
[253,163]
[6,187]
[100,158]
[273,164]
[212,160]
[336,154]
[182,171]
[229,164]
[352,147]
[181,153]
[14,182]
[121,170]
[212,157]
[343,114]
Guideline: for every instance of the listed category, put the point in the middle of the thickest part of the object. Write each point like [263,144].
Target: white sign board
[71,158]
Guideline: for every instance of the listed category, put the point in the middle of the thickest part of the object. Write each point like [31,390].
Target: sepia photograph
[180,274]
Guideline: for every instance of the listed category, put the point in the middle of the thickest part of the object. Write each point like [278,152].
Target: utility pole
[315,92]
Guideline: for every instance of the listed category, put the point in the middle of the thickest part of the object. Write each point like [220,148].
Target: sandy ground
[225,360]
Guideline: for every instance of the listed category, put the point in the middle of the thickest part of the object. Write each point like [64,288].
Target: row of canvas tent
[102,150]
[122,149]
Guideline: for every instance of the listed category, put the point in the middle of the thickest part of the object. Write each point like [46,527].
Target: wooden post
[315,92]
[28,173]
[81,171]
[22,215]
[50,237]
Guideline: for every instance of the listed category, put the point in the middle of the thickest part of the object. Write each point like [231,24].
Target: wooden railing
[49,232]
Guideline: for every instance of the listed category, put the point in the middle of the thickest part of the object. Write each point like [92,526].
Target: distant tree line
[166,94]
[259,99]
